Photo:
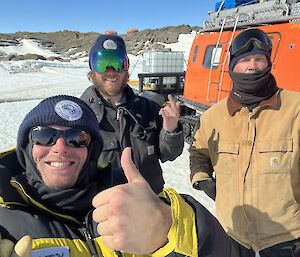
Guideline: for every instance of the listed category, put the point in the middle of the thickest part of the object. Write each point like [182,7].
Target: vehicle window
[212,56]
[195,53]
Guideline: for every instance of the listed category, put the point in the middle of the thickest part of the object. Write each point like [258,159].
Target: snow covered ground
[24,83]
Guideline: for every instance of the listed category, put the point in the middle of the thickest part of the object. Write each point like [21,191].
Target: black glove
[208,186]
[296,249]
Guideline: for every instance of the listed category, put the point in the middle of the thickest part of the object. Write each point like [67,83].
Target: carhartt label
[274,161]
[61,251]
[150,149]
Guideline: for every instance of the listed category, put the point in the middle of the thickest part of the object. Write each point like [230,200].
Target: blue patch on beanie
[106,41]
[62,110]
[253,51]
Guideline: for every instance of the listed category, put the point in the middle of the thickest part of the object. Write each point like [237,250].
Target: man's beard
[112,91]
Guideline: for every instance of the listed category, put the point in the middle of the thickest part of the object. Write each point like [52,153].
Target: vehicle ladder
[222,61]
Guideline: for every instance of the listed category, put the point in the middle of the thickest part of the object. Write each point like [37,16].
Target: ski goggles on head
[248,39]
[102,59]
[46,136]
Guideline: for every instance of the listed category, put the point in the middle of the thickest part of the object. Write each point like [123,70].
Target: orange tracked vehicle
[207,78]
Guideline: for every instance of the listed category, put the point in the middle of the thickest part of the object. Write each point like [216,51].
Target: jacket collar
[273,102]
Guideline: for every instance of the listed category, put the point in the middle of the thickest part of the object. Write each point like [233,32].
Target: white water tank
[162,61]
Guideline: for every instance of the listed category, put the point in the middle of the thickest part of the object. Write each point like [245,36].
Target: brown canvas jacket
[256,159]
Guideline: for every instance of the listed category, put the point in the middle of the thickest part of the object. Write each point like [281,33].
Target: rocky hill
[74,44]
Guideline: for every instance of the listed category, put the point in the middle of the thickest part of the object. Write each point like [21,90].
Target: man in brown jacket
[250,140]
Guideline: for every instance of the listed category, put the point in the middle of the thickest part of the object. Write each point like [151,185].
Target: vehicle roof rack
[251,14]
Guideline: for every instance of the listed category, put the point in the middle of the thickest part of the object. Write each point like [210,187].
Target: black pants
[286,249]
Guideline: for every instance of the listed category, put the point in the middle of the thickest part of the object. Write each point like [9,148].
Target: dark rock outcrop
[73,43]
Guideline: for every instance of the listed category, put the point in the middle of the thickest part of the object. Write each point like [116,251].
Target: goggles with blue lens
[248,39]
[102,59]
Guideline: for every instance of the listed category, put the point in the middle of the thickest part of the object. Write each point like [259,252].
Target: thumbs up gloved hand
[124,211]
[21,249]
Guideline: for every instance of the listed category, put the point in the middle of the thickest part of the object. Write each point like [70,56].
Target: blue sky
[99,15]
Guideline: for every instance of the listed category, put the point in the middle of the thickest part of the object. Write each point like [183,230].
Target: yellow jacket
[194,231]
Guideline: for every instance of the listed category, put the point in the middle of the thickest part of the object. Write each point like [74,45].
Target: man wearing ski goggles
[103,59]
[108,62]
[254,136]
[127,119]
[250,38]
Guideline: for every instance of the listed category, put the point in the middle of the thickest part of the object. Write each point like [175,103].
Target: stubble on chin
[110,91]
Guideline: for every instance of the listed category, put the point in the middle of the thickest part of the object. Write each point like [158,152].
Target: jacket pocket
[275,186]
[110,153]
[227,157]
[275,156]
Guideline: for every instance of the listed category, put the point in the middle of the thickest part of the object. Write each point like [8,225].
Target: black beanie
[62,110]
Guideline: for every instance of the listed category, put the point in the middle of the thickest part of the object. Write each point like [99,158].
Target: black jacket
[137,124]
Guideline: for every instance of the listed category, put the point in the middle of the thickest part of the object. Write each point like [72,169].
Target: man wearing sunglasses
[250,140]
[126,119]
[55,201]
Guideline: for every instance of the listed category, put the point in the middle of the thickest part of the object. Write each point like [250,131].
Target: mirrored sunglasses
[103,59]
[46,136]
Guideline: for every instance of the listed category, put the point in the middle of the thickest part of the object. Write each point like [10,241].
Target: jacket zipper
[119,113]
[87,234]
[89,241]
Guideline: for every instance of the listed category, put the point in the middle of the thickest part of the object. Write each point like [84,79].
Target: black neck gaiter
[249,89]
